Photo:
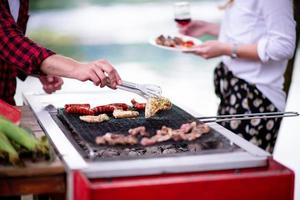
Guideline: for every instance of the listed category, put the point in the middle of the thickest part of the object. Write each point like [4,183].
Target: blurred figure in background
[256,39]
[20,56]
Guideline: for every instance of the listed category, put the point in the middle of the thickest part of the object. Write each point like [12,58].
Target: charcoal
[133,153]
[110,153]
[125,152]
[194,147]
[153,150]
[212,144]
[169,151]
[168,146]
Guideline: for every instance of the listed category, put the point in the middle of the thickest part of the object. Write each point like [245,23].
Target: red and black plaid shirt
[18,54]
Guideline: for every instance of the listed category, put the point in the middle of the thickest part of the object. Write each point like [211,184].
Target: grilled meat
[83,109]
[141,130]
[114,139]
[155,104]
[74,105]
[160,40]
[109,108]
[94,119]
[178,41]
[187,132]
[138,106]
[173,42]
[125,114]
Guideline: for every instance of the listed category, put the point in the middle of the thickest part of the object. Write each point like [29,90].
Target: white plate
[180,49]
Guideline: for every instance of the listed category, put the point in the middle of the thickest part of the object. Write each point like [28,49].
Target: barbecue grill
[85,161]
[75,141]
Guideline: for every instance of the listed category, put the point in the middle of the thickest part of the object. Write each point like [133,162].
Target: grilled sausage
[138,106]
[83,109]
[109,108]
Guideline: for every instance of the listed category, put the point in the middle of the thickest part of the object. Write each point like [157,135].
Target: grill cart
[218,165]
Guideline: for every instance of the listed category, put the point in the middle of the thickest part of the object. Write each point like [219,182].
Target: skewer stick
[224,118]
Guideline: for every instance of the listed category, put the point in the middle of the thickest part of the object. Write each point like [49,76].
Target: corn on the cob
[18,135]
[7,149]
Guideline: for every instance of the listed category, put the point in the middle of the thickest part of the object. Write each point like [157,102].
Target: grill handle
[226,118]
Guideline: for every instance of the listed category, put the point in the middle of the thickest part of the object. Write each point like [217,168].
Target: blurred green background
[55,4]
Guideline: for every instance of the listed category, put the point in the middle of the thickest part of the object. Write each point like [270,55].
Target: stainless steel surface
[225,118]
[248,154]
[144,90]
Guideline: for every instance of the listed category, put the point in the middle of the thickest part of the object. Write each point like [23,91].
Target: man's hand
[101,72]
[51,83]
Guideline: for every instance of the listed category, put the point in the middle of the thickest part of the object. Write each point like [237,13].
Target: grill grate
[87,132]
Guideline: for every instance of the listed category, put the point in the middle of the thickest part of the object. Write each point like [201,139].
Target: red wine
[183,22]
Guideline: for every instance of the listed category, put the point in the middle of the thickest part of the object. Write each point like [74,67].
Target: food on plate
[109,108]
[141,130]
[175,41]
[84,109]
[138,106]
[188,44]
[114,139]
[125,114]
[187,132]
[94,118]
[155,104]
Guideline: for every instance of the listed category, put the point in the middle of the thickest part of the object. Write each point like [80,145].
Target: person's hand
[211,49]
[51,83]
[198,28]
[100,72]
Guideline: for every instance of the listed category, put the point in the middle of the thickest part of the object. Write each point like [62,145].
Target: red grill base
[272,182]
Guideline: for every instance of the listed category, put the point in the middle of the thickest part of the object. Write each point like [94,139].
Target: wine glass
[182,13]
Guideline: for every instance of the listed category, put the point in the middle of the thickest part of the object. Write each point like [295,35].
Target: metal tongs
[144,90]
[225,118]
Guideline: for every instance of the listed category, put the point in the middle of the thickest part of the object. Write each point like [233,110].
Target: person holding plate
[256,40]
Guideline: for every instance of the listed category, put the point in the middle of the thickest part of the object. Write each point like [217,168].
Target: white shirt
[14,6]
[270,25]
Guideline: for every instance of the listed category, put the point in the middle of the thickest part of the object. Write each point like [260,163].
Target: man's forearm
[100,72]
[58,65]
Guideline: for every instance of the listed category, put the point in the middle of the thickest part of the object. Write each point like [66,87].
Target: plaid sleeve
[17,49]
